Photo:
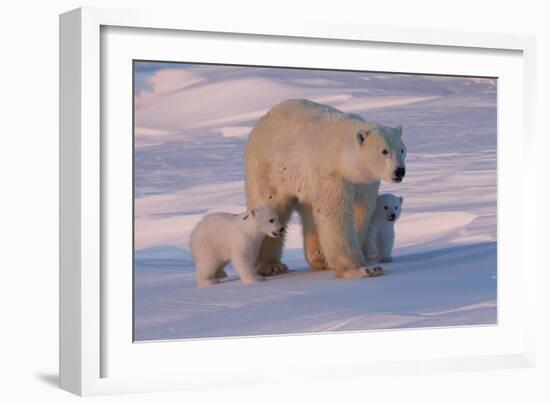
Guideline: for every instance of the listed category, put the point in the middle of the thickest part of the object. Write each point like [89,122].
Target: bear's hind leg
[207,271]
[312,247]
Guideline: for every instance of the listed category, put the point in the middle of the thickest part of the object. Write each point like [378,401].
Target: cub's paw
[272,269]
[203,283]
[385,259]
[255,279]
[361,272]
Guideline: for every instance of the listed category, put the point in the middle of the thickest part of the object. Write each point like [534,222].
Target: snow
[235,131]
[193,122]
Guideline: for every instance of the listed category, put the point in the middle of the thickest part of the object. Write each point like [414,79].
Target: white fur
[381,231]
[222,237]
[326,165]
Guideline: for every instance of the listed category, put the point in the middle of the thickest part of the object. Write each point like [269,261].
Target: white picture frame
[86,346]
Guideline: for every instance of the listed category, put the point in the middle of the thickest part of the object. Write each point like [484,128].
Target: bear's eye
[396,208]
[385,207]
[272,220]
[385,152]
[402,151]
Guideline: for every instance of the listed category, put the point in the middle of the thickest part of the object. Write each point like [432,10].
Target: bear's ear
[361,136]
[401,200]
[399,130]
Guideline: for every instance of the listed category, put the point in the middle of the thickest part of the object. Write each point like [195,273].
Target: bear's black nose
[399,172]
[392,215]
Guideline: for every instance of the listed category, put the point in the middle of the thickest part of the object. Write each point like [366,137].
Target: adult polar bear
[327,165]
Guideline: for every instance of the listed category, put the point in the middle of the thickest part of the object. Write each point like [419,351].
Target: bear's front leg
[334,212]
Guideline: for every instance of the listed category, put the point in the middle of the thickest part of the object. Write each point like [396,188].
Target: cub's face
[382,153]
[268,222]
[388,207]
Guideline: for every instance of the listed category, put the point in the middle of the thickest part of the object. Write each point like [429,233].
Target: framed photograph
[318,201]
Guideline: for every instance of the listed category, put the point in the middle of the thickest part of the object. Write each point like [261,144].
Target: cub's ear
[361,136]
[399,130]
[252,213]
[401,200]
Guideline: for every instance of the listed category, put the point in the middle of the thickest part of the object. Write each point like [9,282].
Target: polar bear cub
[222,237]
[381,232]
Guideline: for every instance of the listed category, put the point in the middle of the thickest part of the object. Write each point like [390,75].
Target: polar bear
[327,165]
[381,233]
[222,237]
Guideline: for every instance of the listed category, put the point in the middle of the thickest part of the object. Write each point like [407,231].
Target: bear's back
[307,109]
[213,226]
[300,128]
